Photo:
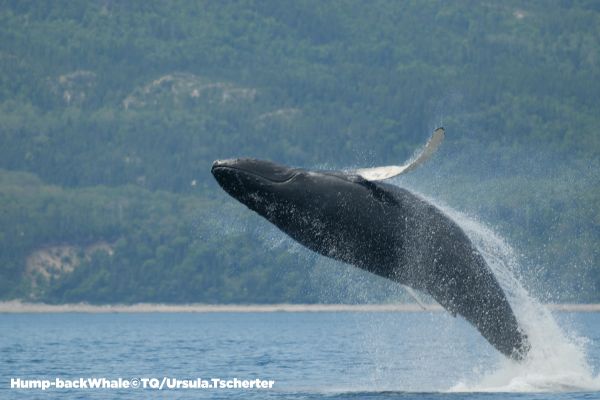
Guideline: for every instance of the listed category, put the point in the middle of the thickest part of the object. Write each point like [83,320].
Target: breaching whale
[355,218]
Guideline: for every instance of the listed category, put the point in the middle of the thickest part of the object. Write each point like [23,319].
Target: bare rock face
[185,88]
[52,262]
[74,87]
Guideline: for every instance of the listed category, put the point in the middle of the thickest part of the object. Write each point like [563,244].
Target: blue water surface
[354,355]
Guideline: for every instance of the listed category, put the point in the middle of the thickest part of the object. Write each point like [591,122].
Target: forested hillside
[111,114]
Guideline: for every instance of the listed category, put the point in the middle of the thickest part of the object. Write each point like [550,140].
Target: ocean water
[370,355]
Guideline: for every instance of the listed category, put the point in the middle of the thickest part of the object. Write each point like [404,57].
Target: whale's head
[260,185]
[280,192]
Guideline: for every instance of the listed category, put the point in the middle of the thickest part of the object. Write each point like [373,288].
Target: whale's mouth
[261,169]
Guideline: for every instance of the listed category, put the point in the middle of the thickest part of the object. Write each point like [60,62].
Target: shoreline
[16,307]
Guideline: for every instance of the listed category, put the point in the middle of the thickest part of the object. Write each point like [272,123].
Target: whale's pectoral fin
[414,296]
[381,173]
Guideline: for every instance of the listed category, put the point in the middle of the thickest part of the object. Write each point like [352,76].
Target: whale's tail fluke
[389,171]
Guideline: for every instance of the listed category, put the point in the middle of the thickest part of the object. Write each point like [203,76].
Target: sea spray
[557,360]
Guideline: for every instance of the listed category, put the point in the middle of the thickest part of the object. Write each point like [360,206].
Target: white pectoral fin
[381,173]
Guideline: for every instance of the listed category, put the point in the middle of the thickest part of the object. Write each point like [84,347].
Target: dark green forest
[111,114]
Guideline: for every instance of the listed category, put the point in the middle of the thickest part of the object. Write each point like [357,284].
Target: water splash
[557,359]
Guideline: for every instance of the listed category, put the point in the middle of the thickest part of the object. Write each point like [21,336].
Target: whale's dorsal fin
[381,173]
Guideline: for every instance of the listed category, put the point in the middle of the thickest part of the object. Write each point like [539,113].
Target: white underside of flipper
[414,296]
[381,173]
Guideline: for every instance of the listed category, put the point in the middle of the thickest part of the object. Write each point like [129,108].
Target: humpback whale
[354,217]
